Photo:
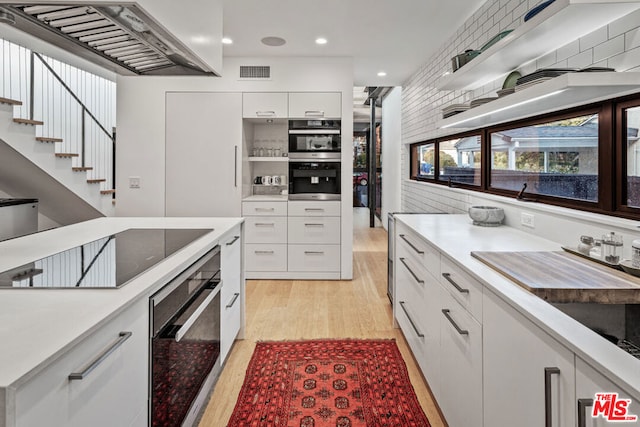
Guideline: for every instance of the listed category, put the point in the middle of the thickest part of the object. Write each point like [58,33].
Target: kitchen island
[39,328]
[482,339]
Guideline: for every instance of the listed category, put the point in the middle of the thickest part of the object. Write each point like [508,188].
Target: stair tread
[10,101]
[107,191]
[67,155]
[81,169]
[28,122]
[95,181]
[48,139]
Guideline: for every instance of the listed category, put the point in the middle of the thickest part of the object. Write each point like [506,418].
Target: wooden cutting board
[564,277]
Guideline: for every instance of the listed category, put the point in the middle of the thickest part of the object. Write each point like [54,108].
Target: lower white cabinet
[588,383]
[519,358]
[231,294]
[265,257]
[460,396]
[314,258]
[114,393]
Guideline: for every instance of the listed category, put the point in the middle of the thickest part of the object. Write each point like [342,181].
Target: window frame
[612,168]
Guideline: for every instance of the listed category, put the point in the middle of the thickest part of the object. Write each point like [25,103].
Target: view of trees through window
[632,120]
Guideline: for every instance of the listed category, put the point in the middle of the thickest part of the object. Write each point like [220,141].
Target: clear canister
[635,254]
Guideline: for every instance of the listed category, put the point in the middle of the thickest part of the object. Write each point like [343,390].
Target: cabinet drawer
[323,258]
[264,209]
[298,208]
[412,275]
[324,230]
[268,257]
[269,229]
[310,105]
[118,381]
[230,319]
[410,245]
[264,104]
[463,287]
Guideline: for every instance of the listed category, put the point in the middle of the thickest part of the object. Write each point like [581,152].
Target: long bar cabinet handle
[122,337]
[583,404]
[455,285]
[314,113]
[265,224]
[313,252]
[235,166]
[235,238]
[263,252]
[402,236]
[415,328]
[461,331]
[314,209]
[548,415]
[233,300]
[419,280]
[313,225]
[266,113]
[265,209]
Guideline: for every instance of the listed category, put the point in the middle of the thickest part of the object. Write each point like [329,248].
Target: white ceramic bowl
[487,216]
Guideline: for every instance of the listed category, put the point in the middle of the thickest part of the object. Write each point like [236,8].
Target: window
[460,160]
[557,158]
[423,161]
[631,151]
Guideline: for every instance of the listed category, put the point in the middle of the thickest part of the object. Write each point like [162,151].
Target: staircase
[31,167]
[51,145]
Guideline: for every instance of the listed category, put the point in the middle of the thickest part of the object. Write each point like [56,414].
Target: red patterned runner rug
[322,383]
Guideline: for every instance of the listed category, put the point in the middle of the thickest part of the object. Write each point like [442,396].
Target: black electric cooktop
[106,263]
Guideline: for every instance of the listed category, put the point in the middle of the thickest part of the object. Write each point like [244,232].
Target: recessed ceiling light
[226,40]
[382,74]
[273,41]
[321,40]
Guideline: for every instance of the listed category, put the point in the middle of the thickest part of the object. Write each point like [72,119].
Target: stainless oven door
[313,141]
[185,342]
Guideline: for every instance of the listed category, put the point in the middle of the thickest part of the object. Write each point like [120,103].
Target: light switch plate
[134,182]
[527,220]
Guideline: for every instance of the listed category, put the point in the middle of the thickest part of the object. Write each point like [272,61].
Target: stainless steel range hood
[122,38]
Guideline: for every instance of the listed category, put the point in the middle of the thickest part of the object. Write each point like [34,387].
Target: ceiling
[396,37]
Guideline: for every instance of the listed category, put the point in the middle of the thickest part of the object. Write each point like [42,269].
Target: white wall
[391,160]
[141,124]
[616,45]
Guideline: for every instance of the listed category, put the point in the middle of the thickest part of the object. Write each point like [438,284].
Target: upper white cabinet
[264,105]
[560,23]
[203,154]
[315,105]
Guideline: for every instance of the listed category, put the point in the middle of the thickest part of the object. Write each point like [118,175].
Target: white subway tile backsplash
[595,38]
[608,49]
[568,50]
[632,39]
[547,61]
[626,61]
[624,24]
[581,60]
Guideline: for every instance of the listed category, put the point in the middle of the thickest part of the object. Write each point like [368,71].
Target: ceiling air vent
[255,72]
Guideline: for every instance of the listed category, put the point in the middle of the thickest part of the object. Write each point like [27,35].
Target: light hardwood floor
[291,310]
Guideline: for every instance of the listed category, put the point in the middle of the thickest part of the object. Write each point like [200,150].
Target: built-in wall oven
[185,343]
[314,136]
[314,178]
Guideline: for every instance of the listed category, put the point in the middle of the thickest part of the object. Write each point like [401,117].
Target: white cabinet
[114,393]
[321,230]
[314,258]
[588,383]
[311,208]
[203,154]
[315,105]
[264,105]
[518,358]
[460,364]
[232,292]
[266,237]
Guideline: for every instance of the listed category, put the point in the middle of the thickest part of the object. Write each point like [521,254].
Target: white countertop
[267,198]
[456,237]
[38,325]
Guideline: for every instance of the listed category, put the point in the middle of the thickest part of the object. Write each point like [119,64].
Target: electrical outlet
[134,182]
[527,220]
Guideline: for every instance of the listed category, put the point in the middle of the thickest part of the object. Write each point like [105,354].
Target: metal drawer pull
[265,113]
[583,404]
[411,271]
[455,285]
[265,209]
[548,419]
[411,244]
[194,317]
[265,224]
[233,300]
[314,113]
[314,225]
[446,312]
[235,238]
[314,209]
[263,252]
[313,252]
[418,333]
[123,336]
